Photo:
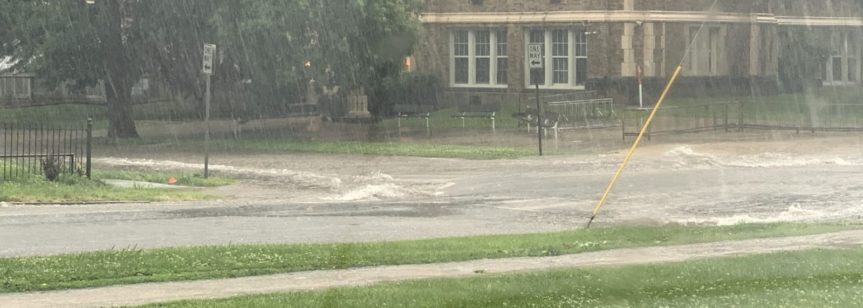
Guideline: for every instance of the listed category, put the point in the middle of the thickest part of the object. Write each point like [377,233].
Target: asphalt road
[315,199]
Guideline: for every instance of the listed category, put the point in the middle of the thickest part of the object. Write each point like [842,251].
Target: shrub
[407,89]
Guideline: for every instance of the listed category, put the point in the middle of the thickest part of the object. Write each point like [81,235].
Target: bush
[52,168]
[417,89]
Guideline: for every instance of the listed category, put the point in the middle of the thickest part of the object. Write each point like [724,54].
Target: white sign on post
[534,56]
[209,54]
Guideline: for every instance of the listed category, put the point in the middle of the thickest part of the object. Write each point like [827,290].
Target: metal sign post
[536,64]
[209,54]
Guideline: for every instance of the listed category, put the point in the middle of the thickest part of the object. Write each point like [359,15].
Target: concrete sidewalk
[318,280]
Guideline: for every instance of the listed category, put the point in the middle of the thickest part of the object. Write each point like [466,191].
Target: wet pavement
[317,199]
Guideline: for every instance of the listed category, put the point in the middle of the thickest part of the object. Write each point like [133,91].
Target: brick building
[478,47]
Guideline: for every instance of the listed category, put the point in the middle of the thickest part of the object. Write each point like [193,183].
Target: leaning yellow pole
[635,144]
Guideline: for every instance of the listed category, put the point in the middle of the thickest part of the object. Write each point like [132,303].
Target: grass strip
[825,278]
[177,264]
[74,189]
[161,177]
[364,148]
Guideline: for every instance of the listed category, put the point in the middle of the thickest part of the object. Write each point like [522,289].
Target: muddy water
[718,183]
[300,198]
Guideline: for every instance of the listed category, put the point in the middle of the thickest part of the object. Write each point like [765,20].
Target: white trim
[549,60]
[634,16]
[480,86]
[452,58]
[471,57]
[558,87]
[492,57]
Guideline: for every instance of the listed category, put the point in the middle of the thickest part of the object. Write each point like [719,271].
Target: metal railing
[741,116]
[27,150]
[590,113]
[572,96]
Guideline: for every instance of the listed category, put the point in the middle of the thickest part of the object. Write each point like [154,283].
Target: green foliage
[264,45]
[410,89]
[190,263]
[347,43]
[112,41]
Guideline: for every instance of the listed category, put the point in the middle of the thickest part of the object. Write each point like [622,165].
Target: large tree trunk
[121,121]
[120,76]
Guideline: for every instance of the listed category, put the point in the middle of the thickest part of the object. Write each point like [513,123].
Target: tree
[356,43]
[111,41]
[267,42]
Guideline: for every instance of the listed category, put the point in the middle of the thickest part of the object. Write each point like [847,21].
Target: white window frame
[845,53]
[472,56]
[572,57]
[706,55]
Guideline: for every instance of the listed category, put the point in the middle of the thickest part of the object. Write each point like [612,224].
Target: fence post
[428,124]
[89,148]
[623,125]
[740,115]
[706,116]
[715,120]
[726,118]
[811,121]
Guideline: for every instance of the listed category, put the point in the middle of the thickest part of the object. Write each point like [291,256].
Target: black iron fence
[742,116]
[45,150]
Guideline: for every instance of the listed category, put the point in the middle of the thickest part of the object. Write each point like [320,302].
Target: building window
[502,58]
[705,55]
[483,57]
[462,57]
[560,56]
[479,58]
[843,65]
[567,51]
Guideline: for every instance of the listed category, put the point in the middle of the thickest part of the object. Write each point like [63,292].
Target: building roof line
[635,16]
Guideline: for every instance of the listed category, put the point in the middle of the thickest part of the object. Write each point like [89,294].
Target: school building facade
[479,47]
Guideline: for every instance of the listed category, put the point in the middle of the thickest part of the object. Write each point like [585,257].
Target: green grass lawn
[29,187]
[828,107]
[161,177]
[176,264]
[73,189]
[360,148]
[443,120]
[826,278]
